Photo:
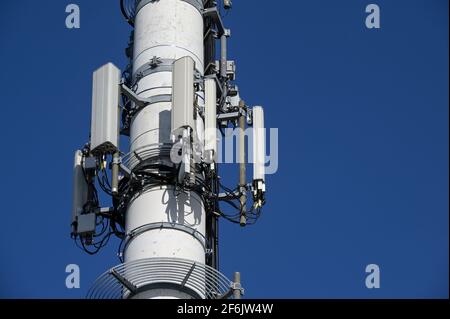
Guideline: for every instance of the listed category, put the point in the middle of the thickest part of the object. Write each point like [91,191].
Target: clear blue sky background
[363,120]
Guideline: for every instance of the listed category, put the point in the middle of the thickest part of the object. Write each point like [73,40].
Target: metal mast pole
[164,31]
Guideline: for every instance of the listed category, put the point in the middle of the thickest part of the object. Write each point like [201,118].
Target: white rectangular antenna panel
[79,189]
[183,95]
[105,110]
[259,144]
[211,117]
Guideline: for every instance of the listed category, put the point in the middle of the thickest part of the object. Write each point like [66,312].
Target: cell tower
[173,102]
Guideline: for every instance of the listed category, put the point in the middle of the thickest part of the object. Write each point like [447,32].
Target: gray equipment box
[231,69]
[80,189]
[86,224]
[105,110]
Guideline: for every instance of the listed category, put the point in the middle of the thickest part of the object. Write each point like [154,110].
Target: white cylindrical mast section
[164,31]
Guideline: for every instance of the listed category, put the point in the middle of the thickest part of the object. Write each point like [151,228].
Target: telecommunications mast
[173,102]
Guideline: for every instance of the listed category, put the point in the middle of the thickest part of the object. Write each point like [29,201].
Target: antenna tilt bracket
[140,102]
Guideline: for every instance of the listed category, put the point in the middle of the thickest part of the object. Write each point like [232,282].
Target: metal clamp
[156,65]
[231,116]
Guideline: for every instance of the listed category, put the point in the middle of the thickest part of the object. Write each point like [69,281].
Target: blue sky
[363,150]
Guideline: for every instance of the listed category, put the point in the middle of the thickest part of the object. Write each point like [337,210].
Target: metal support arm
[214,14]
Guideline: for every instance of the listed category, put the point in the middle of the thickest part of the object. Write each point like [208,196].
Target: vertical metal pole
[223,65]
[223,56]
[237,285]
[178,36]
[216,243]
[115,174]
[216,188]
[242,166]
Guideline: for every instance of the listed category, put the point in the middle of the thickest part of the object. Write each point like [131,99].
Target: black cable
[126,15]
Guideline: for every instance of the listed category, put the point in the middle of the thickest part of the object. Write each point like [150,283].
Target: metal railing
[129,279]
